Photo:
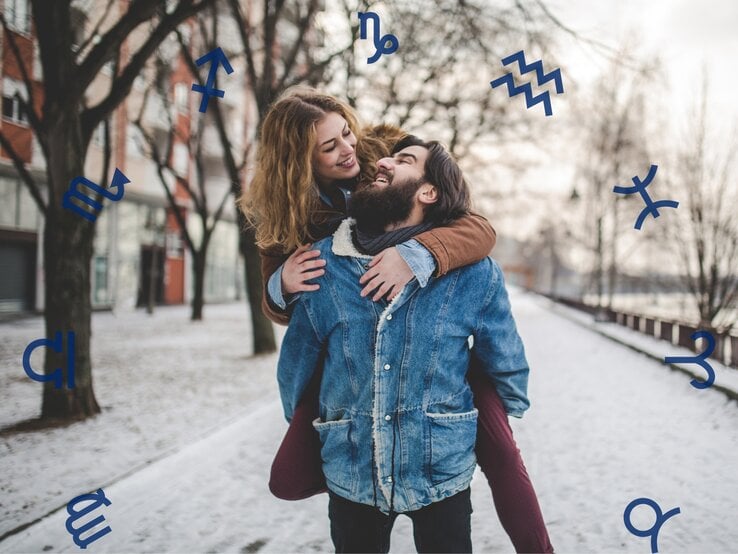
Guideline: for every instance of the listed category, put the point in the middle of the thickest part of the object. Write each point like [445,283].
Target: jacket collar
[343,244]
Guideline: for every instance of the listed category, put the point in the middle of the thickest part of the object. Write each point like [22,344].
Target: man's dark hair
[442,171]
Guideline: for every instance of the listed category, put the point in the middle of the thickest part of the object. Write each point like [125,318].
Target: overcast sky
[684,34]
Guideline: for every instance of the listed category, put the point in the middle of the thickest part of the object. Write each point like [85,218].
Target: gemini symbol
[97,499]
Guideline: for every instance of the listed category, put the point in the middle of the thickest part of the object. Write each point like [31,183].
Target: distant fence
[726,345]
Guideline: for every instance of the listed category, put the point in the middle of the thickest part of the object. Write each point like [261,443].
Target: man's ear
[427,194]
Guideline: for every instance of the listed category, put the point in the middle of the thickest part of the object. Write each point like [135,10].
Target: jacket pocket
[336,451]
[452,440]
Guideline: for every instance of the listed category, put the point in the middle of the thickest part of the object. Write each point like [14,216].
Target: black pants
[443,526]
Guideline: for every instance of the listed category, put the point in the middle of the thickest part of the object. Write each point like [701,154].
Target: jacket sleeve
[300,356]
[467,240]
[270,262]
[499,349]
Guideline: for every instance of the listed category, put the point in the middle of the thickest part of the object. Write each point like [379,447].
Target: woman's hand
[388,271]
[301,266]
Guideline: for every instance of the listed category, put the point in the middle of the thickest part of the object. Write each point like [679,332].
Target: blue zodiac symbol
[700,360]
[57,345]
[653,531]
[217,57]
[380,44]
[651,206]
[97,499]
[118,181]
[526,88]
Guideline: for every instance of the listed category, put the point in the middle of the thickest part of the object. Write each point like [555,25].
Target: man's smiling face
[404,166]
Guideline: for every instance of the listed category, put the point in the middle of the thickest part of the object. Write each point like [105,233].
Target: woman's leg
[297,469]
[500,460]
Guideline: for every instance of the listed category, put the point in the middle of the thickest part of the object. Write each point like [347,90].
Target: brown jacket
[467,240]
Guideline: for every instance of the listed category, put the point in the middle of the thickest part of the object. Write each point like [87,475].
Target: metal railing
[675,332]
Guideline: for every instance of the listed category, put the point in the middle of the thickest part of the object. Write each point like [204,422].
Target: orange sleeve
[467,240]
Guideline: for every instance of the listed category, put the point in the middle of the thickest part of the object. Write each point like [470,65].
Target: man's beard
[375,208]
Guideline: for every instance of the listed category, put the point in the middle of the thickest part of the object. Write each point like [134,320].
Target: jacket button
[387,417]
[389,479]
[386,366]
[389,317]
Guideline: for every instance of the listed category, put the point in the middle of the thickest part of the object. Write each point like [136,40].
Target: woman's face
[334,157]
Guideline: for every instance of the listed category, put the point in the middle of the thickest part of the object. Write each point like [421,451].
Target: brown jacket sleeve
[270,262]
[467,240]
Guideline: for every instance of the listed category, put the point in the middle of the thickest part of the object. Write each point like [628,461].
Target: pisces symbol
[97,499]
[652,208]
[380,44]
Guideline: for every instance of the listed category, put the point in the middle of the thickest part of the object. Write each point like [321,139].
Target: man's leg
[498,456]
[358,527]
[444,526]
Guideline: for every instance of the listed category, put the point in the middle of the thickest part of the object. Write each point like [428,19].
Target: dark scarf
[372,244]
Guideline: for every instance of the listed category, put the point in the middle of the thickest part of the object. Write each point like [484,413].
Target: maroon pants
[297,472]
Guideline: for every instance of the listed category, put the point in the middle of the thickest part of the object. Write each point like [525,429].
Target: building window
[17,14]
[101,280]
[181,96]
[12,109]
[98,136]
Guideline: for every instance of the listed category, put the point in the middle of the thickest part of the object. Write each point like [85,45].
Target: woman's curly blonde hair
[283,197]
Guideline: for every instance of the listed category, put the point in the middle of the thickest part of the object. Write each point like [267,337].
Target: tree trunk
[198,297]
[68,246]
[263,332]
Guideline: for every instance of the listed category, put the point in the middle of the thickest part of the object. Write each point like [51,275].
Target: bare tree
[63,124]
[197,187]
[706,242]
[278,43]
[615,145]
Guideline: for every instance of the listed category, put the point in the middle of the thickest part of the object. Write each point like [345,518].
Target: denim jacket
[397,421]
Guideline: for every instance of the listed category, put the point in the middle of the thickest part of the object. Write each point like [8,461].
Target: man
[397,422]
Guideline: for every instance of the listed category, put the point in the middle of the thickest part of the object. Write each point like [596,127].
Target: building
[139,252]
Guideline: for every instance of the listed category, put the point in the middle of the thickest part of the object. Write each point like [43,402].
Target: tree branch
[96,29]
[23,172]
[30,106]
[122,84]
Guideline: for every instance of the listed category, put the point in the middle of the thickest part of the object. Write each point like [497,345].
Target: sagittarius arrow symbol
[217,57]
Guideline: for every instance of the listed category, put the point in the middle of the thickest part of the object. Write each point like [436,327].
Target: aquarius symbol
[97,499]
[699,360]
[118,181]
[217,57]
[526,88]
[57,345]
[653,531]
[651,206]
[379,43]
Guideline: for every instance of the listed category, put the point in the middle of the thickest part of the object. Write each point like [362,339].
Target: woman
[310,160]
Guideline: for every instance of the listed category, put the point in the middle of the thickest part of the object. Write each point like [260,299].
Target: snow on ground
[607,425]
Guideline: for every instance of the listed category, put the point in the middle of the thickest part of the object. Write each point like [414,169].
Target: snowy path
[607,426]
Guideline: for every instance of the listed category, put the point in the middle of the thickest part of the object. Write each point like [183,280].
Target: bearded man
[397,421]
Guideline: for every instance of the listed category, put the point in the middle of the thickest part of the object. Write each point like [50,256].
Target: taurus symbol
[699,360]
[98,499]
[379,43]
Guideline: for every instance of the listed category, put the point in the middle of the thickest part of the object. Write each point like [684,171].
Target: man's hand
[300,267]
[388,272]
